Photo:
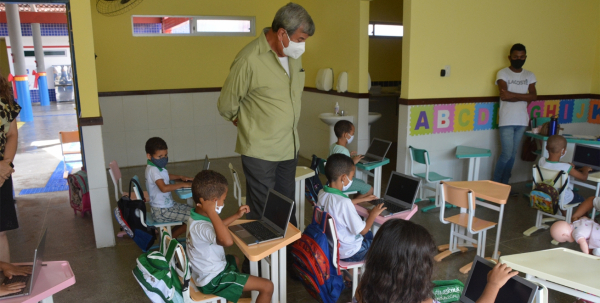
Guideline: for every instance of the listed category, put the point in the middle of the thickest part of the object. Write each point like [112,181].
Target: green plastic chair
[421,157]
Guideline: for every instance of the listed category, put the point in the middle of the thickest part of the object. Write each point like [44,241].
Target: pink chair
[115,175]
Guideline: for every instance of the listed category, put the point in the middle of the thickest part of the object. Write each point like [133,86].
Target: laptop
[38,258]
[272,225]
[400,195]
[516,290]
[377,151]
[206,163]
[586,155]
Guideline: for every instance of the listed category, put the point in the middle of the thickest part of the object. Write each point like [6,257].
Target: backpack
[312,262]
[79,195]
[132,213]
[545,197]
[158,274]
[447,291]
[313,184]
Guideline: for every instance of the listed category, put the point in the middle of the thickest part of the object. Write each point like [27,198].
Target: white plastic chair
[334,245]
[147,219]
[463,198]
[69,137]
[115,175]
[540,220]
[421,156]
[237,187]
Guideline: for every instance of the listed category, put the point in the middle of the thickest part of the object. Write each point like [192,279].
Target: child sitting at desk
[344,131]
[557,148]
[9,270]
[212,271]
[399,267]
[162,205]
[353,233]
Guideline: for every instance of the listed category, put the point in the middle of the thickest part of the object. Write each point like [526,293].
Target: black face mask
[517,63]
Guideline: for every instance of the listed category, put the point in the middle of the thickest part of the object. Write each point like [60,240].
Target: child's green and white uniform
[357,184]
[212,271]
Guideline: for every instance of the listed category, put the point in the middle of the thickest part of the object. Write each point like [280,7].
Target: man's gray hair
[291,17]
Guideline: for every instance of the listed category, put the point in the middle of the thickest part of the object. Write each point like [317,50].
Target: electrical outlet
[447,69]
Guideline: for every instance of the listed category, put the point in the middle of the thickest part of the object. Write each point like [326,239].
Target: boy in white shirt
[162,205]
[557,147]
[212,271]
[354,233]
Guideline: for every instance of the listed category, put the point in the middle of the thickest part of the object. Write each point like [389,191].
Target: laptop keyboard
[259,231]
[17,279]
[393,208]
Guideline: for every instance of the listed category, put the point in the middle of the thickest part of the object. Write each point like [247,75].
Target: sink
[331,119]
[373,116]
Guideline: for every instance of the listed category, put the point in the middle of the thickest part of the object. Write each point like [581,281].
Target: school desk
[565,270]
[376,174]
[185,194]
[302,173]
[54,277]
[491,191]
[276,250]
[380,220]
[474,155]
[571,139]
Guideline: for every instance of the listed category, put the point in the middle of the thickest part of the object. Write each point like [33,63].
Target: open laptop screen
[512,292]
[278,209]
[378,148]
[587,155]
[402,188]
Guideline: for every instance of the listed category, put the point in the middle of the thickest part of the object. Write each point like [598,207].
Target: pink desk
[54,277]
[380,220]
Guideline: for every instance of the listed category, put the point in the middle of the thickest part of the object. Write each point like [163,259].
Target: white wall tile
[135,111]
[136,142]
[226,138]
[205,109]
[183,147]
[112,113]
[159,111]
[182,110]
[206,142]
[115,148]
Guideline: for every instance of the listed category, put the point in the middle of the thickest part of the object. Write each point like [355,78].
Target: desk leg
[48,300]
[254,272]
[495,255]
[275,276]
[282,275]
[377,182]
[476,169]
[470,176]
[302,203]
[264,268]
[297,202]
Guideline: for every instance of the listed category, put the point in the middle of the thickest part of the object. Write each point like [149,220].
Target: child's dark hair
[208,185]
[155,144]
[337,165]
[518,48]
[342,127]
[399,265]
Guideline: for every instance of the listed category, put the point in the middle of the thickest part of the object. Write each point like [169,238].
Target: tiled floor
[104,275]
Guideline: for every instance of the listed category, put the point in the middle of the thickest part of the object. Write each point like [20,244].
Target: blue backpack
[313,184]
[312,261]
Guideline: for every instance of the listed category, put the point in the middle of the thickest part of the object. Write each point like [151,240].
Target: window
[46,53]
[193,25]
[386,30]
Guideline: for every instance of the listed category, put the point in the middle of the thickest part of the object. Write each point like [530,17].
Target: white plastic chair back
[550,174]
[237,187]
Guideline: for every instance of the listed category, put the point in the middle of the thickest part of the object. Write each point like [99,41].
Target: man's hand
[235,122]
[244,209]
[505,95]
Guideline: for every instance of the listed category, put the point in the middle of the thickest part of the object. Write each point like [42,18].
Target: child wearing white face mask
[344,131]
[354,233]
[557,148]
[213,271]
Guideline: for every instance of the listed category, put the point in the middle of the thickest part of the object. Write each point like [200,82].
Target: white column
[16,41]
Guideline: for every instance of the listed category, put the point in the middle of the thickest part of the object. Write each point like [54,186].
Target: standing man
[517,88]
[261,96]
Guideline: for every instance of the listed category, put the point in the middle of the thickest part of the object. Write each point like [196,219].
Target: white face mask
[563,154]
[350,140]
[218,208]
[294,49]
[347,186]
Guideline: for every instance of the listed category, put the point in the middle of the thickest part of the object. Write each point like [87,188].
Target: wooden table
[474,155]
[54,277]
[491,191]
[302,173]
[565,270]
[380,220]
[376,174]
[277,252]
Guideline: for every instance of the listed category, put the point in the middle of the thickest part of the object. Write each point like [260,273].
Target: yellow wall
[474,37]
[84,56]
[385,55]
[4,65]
[596,71]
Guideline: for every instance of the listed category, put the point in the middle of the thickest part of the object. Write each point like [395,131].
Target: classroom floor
[104,275]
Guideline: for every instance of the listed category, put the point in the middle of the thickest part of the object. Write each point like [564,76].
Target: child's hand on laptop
[364,199]
[378,209]
[244,209]
[11,288]
[10,270]
[499,275]
[357,158]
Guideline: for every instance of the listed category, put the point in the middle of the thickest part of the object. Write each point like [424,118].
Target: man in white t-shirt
[517,88]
